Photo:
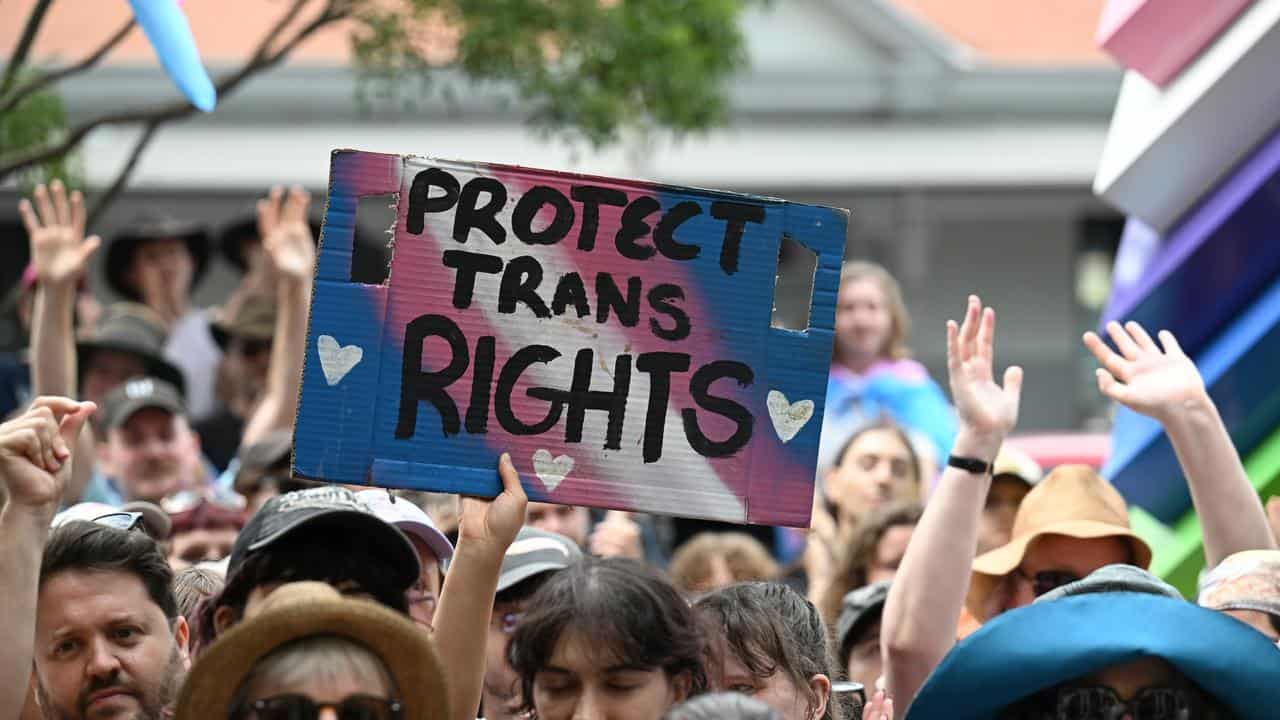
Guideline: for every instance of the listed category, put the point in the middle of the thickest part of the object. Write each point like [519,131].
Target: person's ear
[681,687]
[820,688]
[829,480]
[133,275]
[223,618]
[182,638]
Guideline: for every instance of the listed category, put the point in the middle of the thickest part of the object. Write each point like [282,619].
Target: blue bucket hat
[1032,648]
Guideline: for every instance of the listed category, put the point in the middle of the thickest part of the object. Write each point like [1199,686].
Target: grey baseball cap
[533,552]
[859,609]
[139,393]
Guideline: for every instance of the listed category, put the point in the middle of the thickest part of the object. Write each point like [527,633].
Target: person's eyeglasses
[507,622]
[1102,703]
[121,520]
[301,707]
[186,500]
[254,348]
[1047,580]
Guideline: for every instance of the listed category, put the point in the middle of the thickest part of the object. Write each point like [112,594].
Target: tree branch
[281,24]
[104,201]
[19,56]
[12,99]
[161,114]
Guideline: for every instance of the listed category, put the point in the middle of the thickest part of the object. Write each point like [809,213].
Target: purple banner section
[1239,369]
[1211,266]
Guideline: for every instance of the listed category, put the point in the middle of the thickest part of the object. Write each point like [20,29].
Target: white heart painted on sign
[551,471]
[788,417]
[336,361]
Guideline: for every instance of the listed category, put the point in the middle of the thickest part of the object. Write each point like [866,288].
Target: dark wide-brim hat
[232,236]
[132,328]
[252,319]
[1032,648]
[151,229]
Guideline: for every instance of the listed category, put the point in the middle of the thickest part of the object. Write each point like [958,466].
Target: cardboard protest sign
[613,336]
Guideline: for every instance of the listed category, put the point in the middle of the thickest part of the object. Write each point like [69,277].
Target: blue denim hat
[1071,635]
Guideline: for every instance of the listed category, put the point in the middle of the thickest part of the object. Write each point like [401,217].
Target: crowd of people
[157,558]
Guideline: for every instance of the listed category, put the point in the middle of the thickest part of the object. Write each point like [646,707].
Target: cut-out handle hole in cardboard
[793,286]
[371,251]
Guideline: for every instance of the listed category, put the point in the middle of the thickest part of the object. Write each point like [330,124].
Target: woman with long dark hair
[611,639]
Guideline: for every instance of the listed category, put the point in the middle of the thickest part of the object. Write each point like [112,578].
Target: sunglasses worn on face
[1046,580]
[1102,703]
[301,707]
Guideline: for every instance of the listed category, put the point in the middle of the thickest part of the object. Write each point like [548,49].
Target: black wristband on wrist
[970,465]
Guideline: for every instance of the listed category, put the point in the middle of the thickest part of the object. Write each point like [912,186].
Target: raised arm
[34,468]
[486,528]
[927,595]
[286,238]
[1165,385]
[60,254]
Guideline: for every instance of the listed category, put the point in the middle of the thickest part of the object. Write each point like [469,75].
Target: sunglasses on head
[1047,580]
[121,520]
[1102,703]
[301,707]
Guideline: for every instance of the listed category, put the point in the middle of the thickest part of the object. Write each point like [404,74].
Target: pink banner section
[1157,38]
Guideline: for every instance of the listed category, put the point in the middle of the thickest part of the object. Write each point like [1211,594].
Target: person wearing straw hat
[309,653]
[1119,643]
[1073,522]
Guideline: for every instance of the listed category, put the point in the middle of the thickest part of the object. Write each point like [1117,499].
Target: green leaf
[583,69]
[35,122]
